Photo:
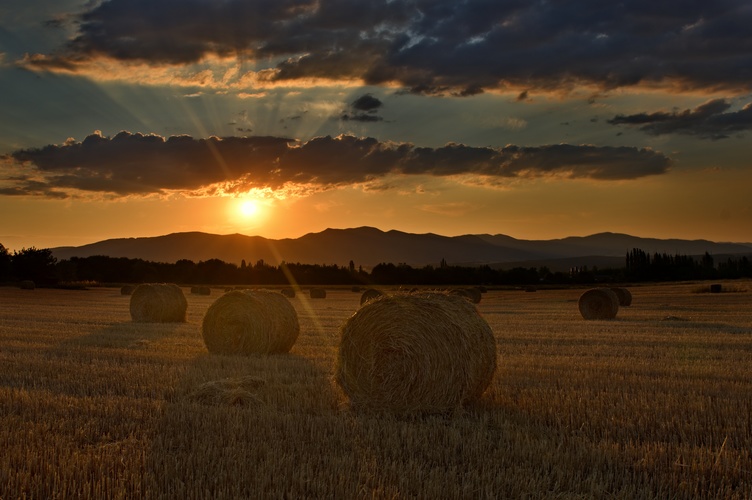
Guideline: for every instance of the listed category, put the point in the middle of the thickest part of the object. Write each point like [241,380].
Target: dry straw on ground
[27,285]
[599,303]
[250,322]
[240,391]
[158,303]
[424,352]
[471,294]
[624,295]
[369,295]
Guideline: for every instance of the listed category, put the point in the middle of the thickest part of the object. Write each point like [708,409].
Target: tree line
[40,266]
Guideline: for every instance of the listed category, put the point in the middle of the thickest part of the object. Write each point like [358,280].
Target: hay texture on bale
[420,352]
[599,303]
[369,295]
[624,295]
[158,303]
[250,322]
[318,293]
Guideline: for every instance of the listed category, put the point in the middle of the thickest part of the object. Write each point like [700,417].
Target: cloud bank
[436,46]
[137,164]
[707,121]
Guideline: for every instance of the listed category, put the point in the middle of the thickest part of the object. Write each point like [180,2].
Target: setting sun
[248,208]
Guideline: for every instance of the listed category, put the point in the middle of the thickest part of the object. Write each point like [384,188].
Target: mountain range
[368,246]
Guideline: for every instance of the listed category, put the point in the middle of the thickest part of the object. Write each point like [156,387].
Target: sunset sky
[535,119]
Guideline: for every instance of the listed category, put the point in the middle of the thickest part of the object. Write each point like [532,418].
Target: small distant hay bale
[228,392]
[599,303]
[158,303]
[531,288]
[716,288]
[318,293]
[422,352]
[369,295]
[127,289]
[624,295]
[355,289]
[288,292]
[250,322]
[482,289]
[471,294]
[27,285]
[200,290]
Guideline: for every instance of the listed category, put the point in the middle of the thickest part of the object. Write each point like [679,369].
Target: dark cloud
[707,121]
[364,109]
[367,103]
[138,164]
[436,46]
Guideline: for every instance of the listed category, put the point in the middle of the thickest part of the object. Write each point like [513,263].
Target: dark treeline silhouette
[41,267]
[641,266]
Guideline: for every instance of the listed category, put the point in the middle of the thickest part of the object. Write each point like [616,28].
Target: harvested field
[95,405]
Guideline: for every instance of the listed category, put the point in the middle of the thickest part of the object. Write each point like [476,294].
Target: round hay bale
[355,289]
[200,290]
[27,285]
[318,293]
[599,303]
[250,322]
[158,303]
[716,288]
[424,352]
[369,295]
[531,289]
[471,294]
[127,289]
[624,295]
[288,292]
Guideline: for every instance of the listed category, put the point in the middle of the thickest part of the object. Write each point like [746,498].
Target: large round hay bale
[127,289]
[250,322]
[27,285]
[369,295]
[318,293]
[158,303]
[288,292]
[624,295]
[599,303]
[425,352]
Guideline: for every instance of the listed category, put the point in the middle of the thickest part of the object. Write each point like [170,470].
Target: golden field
[654,404]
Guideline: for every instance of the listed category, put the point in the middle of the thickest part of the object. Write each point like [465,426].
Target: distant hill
[367,246]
